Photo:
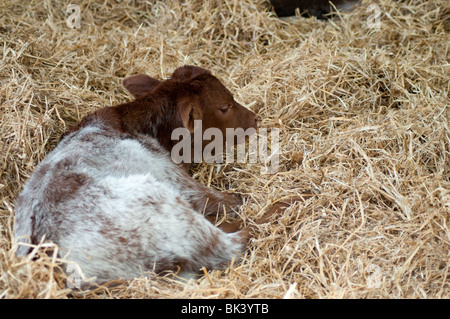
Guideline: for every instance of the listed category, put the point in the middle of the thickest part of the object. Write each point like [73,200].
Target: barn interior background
[361,102]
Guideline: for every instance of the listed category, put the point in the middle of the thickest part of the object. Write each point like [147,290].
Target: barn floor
[362,108]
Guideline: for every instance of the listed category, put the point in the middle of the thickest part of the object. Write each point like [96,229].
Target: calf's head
[195,94]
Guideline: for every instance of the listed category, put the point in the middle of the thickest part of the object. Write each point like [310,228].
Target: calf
[113,201]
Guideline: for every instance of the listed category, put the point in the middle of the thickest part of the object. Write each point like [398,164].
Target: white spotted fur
[133,214]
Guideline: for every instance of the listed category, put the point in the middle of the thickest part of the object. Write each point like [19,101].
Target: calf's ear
[140,84]
[189,112]
[190,75]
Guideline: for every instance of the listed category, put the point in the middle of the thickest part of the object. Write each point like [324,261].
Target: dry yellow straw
[362,107]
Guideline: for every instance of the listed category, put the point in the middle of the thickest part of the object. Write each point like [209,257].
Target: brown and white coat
[110,196]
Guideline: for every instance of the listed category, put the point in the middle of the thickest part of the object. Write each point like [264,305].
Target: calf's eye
[225,108]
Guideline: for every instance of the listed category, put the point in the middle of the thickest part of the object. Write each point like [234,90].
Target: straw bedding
[363,117]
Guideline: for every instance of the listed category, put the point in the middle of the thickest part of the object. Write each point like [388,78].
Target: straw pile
[362,109]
